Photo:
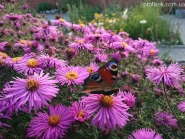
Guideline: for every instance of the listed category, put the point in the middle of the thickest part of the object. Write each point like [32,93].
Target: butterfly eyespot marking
[95,77]
[113,66]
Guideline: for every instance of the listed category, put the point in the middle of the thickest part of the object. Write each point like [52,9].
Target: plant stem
[168,102]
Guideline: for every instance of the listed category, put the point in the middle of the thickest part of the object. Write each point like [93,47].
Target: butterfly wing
[101,82]
[109,72]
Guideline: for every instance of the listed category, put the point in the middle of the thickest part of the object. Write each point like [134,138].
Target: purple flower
[52,124]
[181,106]
[93,67]
[4,117]
[8,105]
[71,75]
[25,6]
[12,17]
[123,44]
[79,112]
[47,61]
[101,57]
[3,45]
[108,111]
[128,98]
[35,90]
[61,22]
[170,75]
[116,56]
[80,44]
[145,133]
[28,65]
[157,62]
[165,118]
[150,49]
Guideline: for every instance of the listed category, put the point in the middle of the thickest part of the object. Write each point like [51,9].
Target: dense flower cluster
[45,66]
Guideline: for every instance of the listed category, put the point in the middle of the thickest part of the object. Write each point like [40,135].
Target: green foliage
[44,7]
[64,6]
[82,13]
[155,29]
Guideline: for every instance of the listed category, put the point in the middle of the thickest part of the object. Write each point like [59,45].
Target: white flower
[143,22]
[112,21]
[125,16]
[100,23]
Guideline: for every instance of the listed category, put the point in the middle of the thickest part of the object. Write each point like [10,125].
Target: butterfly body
[102,81]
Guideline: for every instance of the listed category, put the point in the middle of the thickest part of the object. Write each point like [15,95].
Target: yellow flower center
[80,41]
[90,70]
[72,75]
[124,44]
[32,63]
[53,120]
[82,25]
[3,55]
[62,20]
[22,41]
[152,52]
[32,84]
[15,59]
[107,101]
[97,35]
[81,114]
[29,43]
[2,62]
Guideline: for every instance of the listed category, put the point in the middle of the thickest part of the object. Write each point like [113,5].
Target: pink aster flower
[165,118]
[80,44]
[35,90]
[145,133]
[3,45]
[12,17]
[47,61]
[8,105]
[61,22]
[116,56]
[181,106]
[150,50]
[28,65]
[52,124]
[129,99]
[80,27]
[170,75]
[122,44]
[93,67]
[109,111]
[79,112]
[101,57]
[71,75]
[157,62]
[2,116]
[46,30]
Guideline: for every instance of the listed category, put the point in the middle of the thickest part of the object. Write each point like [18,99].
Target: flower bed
[65,80]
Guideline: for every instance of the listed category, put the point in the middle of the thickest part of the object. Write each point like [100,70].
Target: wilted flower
[165,118]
